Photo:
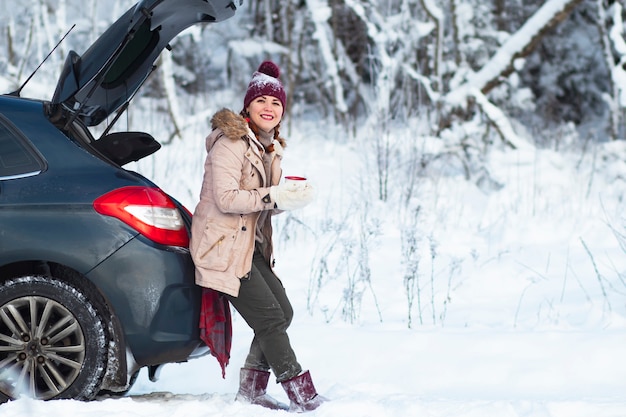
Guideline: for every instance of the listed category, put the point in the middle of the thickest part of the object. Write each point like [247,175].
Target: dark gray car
[96,280]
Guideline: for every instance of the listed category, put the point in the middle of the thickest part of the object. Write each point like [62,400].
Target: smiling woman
[241,191]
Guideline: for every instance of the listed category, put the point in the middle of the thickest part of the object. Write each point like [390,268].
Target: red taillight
[148,210]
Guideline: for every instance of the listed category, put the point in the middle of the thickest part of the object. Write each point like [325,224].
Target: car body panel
[49,218]
[158,306]
[56,205]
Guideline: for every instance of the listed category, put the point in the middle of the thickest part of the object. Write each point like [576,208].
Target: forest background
[470,163]
[426,94]
[554,67]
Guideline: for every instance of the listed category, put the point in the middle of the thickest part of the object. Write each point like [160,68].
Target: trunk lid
[93,86]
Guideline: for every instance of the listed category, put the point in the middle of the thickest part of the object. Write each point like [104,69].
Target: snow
[521,307]
[382,371]
[525,314]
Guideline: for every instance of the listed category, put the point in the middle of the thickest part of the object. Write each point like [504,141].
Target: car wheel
[52,340]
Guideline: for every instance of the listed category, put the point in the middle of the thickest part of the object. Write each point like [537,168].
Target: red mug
[294,181]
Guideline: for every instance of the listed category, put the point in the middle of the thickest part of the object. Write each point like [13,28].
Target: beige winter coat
[234,192]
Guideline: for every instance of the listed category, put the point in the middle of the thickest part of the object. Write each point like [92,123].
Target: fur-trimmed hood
[234,125]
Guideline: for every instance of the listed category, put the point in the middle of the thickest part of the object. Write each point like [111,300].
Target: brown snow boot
[252,386]
[302,393]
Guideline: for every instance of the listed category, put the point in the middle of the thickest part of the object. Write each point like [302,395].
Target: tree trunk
[613,66]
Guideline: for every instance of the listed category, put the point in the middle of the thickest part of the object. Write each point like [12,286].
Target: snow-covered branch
[499,120]
[521,43]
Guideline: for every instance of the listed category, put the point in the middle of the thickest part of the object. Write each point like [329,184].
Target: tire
[115,394]
[52,341]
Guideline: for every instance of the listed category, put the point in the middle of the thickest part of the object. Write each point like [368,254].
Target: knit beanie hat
[265,82]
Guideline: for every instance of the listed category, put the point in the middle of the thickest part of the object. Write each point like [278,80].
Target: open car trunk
[97,83]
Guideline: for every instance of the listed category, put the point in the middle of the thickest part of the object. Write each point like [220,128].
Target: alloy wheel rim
[42,348]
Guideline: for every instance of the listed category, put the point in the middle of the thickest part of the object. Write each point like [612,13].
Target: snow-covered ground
[522,308]
[381,371]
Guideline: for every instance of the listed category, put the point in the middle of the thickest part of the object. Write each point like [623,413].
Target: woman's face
[266,112]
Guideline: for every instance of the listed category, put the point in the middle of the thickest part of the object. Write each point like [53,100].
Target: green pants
[263,304]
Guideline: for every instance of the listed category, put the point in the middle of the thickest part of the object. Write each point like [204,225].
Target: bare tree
[611,29]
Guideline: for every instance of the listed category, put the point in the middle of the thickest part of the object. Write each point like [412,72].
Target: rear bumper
[152,292]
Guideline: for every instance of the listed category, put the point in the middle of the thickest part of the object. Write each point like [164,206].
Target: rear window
[132,56]
[17,156]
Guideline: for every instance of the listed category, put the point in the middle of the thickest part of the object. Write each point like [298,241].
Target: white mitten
[289,198]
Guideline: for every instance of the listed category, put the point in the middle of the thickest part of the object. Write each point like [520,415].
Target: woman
[231,241]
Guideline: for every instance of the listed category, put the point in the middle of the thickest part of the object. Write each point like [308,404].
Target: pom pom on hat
[269,68]
[265,82]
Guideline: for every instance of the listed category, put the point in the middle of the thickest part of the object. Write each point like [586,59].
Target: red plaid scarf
[215,326]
